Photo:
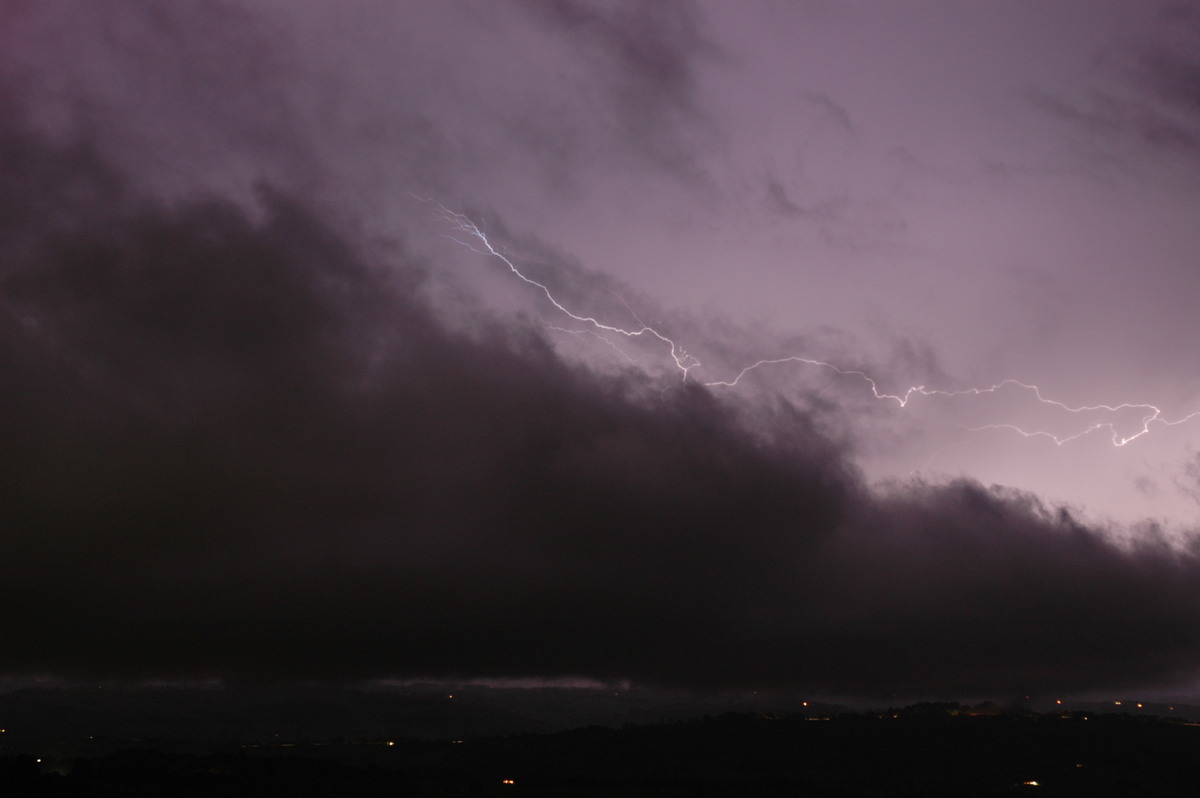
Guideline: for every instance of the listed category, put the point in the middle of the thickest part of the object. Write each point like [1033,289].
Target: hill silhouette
[927,749]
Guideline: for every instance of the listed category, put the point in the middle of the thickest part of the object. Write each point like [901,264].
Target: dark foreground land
[926,751]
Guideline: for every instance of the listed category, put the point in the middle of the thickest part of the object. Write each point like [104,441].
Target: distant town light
[1031,784]
[390,742]
[508,781]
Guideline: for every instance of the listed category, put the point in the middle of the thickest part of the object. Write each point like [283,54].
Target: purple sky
[271,410]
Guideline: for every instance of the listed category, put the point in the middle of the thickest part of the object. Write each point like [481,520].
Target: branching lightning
[468,234]
[1151,413]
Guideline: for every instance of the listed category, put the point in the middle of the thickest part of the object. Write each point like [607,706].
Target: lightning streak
[464,226]
[1151,413]
[477,241]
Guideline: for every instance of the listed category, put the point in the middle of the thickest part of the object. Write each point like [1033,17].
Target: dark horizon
[918,750]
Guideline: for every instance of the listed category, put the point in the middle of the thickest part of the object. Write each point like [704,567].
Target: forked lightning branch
[469,234]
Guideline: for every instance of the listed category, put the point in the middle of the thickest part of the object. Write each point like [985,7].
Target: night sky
[318,354]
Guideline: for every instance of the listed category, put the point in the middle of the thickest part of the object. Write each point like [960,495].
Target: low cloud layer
[241,443]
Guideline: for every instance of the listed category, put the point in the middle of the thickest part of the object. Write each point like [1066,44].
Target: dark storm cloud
[648,55]
[1174,76]
[1149,93]
[240,443]
[1114,120]
[196,82]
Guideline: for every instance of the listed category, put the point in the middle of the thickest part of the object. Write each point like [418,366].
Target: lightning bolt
[468,234]
[465,227]
[1151,413]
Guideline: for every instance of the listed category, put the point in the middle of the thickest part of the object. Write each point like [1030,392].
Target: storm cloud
[241,443]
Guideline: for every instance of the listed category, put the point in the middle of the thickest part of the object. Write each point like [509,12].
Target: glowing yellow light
[390,742]
[1139,706]
[1030,783]
[1117,703]
[1059,701]
[508,781]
